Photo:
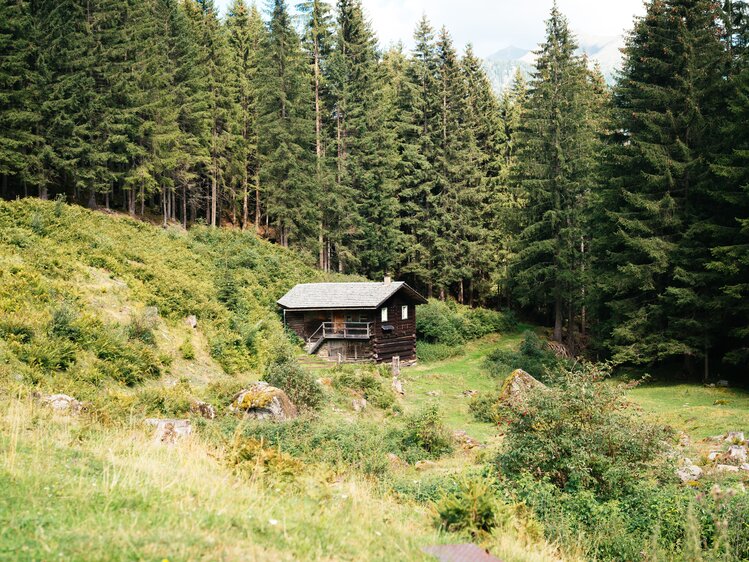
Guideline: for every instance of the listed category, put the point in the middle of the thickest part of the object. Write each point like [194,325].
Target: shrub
[437,322]
[451,324]
[431,352]
[426,432]
[142,325]
[473,508]
[64,322]
[533,356]
[369,384]
[296,382]
[581,434]
[486,408]
[251,458]
[187,350]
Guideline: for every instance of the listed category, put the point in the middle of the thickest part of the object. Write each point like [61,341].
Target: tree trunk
[321,243]
[184,206]
[558,319]
[257,203]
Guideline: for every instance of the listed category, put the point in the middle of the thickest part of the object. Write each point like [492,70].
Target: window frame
[404,312]
[384,314]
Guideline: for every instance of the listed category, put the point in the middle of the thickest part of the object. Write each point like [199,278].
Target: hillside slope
[92,303]
[95,306]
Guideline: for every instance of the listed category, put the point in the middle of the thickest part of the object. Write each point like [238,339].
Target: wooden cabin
[354,321]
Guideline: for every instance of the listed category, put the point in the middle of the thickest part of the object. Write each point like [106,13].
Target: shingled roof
[336,296]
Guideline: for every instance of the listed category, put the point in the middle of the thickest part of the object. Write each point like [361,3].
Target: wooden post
[396,365]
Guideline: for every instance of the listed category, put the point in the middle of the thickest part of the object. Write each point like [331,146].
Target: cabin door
[338,322]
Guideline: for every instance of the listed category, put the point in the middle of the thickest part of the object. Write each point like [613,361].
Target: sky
[491,25]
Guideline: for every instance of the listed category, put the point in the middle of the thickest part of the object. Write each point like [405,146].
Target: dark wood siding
[401,340]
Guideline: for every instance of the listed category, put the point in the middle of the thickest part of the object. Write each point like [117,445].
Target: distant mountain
[502,65]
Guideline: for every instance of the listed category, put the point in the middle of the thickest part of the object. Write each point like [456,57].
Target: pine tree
[318,43]
[365,147]
[19,112]
[658,211]
[489,232]
[554,172]
[286,129]
[417,137]
[246,35]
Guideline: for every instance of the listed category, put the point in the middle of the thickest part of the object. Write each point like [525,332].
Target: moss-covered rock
[264,402]
[517,385]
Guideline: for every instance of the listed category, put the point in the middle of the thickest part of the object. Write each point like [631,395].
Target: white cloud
[493,24]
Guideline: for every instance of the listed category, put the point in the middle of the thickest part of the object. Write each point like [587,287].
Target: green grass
[699,411]
[451,377]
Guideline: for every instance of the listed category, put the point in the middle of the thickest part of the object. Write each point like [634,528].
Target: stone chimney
[388,280]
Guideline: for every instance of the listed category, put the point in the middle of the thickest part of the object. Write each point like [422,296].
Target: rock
[62,403]
[714,455]
[425,465]
[325,381]
[734,436]
[684,440]
[170,431]
[737,453]
[722,384]
[470,393]
[434,393]
[397,386]
[689,472]
[744,467]
[517,386]
[395,461]
[359,404]
[264,402]
[192,321]
[465,440]
[203,409]
[726,468]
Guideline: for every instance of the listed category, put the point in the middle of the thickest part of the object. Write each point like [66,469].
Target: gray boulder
[169,431]
[264,402]
[689,472]
[62,403]
[737,453]
[517,386]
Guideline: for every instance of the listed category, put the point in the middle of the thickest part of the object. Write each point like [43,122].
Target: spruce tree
[554,172]
[660,208]
[245,36]
[19,112]
[318,44]
[365,144]
[418,136]
[286,129]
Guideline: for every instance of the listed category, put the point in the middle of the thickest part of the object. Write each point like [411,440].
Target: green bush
[296,382]
[362,446]
[142,325]
[374,389]
[486,408]
[187,350]
[473,509]
[425,431]
[581,434]
[431,352]
[451,324]
[533,356]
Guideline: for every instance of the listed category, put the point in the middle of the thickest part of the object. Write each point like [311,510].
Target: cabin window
[404,312]
[384,314]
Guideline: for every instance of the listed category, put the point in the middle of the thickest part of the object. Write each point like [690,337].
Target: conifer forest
[615,214]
